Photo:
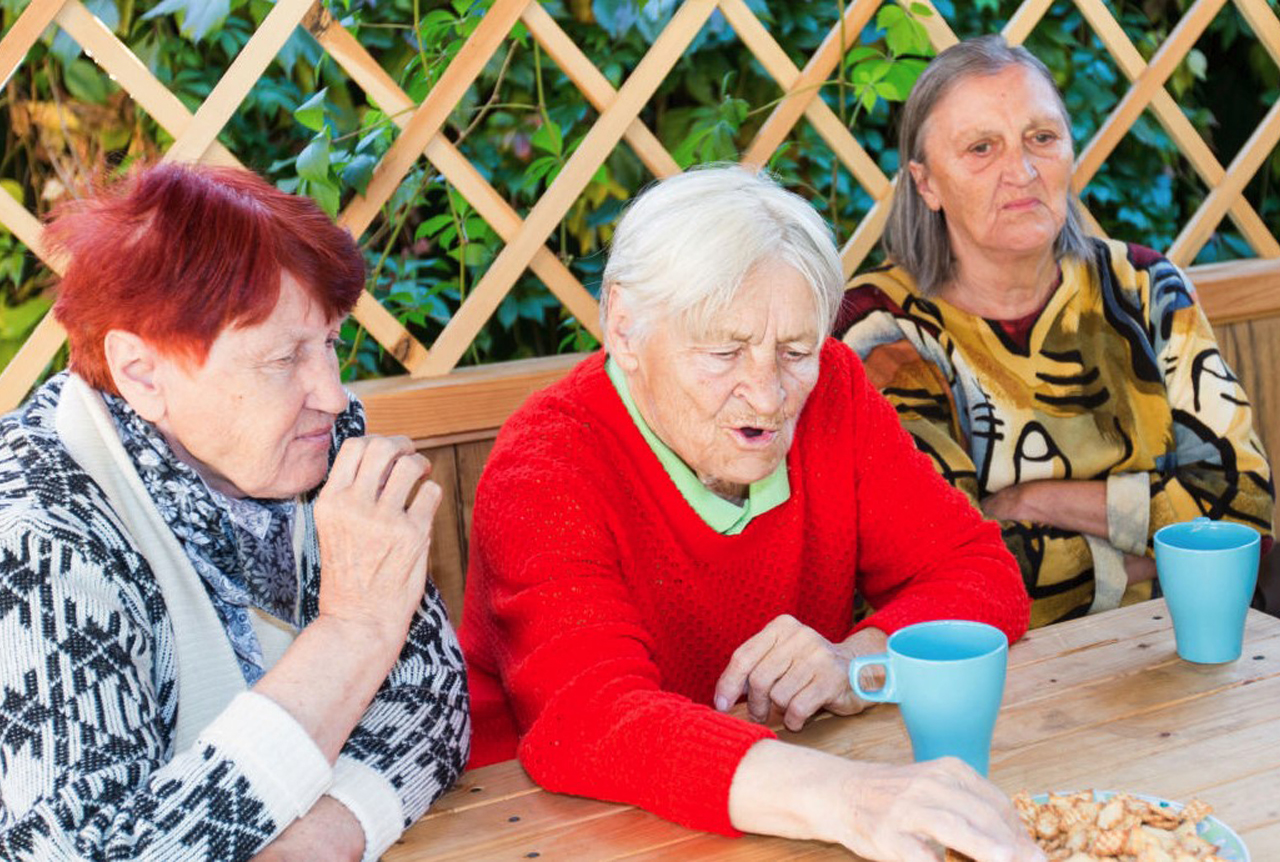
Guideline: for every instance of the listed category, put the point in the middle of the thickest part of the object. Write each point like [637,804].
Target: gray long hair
[915,237]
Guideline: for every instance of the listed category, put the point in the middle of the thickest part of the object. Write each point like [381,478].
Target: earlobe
[920,176]
[133,364]
[618,328]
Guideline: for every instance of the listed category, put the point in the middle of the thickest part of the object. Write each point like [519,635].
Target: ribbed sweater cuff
[373,801]
[283,764]
[711,747]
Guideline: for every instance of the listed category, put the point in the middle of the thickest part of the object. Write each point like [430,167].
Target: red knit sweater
[600,609]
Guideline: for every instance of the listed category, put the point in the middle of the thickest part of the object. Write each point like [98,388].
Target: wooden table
[1101,702]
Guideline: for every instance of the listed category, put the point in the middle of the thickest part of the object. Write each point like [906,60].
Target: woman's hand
[328,831]
[793,668]
[879,811]
[375,534]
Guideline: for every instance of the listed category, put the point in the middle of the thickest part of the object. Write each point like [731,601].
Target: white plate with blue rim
[1230,845]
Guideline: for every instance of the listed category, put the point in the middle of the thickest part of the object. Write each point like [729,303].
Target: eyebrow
[722,336]
[1034,122]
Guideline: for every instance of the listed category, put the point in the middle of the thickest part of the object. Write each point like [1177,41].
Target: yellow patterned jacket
[1120,379]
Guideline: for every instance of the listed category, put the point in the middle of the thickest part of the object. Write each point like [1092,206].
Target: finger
[804,704]
[406,473]
[346,462]
[425,503]
[375,467]
[771,668]
[733,682]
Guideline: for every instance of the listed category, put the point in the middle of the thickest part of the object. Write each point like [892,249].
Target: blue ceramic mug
[1207,571]
[948,677]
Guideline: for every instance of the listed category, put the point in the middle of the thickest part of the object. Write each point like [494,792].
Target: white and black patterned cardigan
[92,760]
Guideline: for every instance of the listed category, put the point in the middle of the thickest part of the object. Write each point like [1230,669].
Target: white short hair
[685,244]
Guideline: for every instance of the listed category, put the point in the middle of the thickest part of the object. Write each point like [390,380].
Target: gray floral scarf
[241,548]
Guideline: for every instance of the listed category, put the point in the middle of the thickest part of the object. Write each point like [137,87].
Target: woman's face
[255,420]
[727,401]
[998,164]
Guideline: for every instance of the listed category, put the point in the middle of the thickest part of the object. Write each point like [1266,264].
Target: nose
[761,384]
[1020,169]
[324,384]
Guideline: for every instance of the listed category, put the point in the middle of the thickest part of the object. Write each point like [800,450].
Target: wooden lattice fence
[1234,291]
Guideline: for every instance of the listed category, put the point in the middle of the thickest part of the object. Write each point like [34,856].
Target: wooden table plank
[1101,702]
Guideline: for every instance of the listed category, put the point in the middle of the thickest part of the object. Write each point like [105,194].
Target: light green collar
[724,517]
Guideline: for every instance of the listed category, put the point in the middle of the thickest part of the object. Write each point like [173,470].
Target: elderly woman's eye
[980,149]
[1045,137]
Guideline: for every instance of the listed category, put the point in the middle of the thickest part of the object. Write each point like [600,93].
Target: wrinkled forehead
[969,101]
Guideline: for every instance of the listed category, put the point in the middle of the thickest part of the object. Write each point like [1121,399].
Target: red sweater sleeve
[573,655]
[925,552]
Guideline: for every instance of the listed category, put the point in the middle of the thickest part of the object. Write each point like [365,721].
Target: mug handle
[886,694]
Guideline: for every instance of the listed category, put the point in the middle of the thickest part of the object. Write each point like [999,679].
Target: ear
[620,329]
[924,185]
[134,364]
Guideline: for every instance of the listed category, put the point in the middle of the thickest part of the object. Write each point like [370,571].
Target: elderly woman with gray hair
[683,522]
[1069,385]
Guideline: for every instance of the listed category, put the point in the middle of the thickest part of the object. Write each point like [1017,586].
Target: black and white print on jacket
[88,693]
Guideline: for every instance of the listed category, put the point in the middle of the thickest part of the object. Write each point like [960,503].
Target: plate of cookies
[1105,825]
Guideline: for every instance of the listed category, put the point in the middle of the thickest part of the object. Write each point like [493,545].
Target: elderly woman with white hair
[683,522]
[1069,385]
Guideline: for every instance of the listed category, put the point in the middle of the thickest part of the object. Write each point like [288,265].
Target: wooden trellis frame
[422,134]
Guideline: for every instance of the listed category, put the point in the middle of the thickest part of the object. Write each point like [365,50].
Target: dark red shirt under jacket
[600,609]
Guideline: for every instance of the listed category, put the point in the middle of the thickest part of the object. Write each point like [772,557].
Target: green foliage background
[309,129]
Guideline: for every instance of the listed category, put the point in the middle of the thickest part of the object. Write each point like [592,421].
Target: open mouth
[753,435]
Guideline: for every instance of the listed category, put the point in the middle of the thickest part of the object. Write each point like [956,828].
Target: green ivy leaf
[311,112]
[920,10]
[860,53]
[359,171]
[313,162]
[432,226]
[547,138]
[85,82]
[198,16]
[889,15]
[327,195]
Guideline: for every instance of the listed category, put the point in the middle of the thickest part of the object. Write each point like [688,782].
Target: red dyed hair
[177,253]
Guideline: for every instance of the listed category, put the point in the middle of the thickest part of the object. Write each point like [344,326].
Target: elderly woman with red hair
[202,657]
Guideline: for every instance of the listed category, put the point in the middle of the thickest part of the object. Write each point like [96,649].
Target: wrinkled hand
[375,534]
[793,668]
[895,812]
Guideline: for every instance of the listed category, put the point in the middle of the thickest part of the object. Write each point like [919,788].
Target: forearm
[328,676]
[328,831]
[781,789]
[1078,506]
[415,735]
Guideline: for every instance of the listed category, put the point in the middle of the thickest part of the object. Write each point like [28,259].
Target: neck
[736,494]
[1002,288]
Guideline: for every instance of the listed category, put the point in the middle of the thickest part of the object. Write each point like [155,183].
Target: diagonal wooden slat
[595,86]
[24,33]
[434,111]
[1255,151]
[803,89]
[1024,20]
[1266,26]
[824,120]
[556,201]
[41,345]
[399,159]
[1175,122]
[1135,101]
[940,33]
[129,72]
[245,70]
[455,168]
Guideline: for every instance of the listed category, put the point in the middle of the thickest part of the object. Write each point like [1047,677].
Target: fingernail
[722,702]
